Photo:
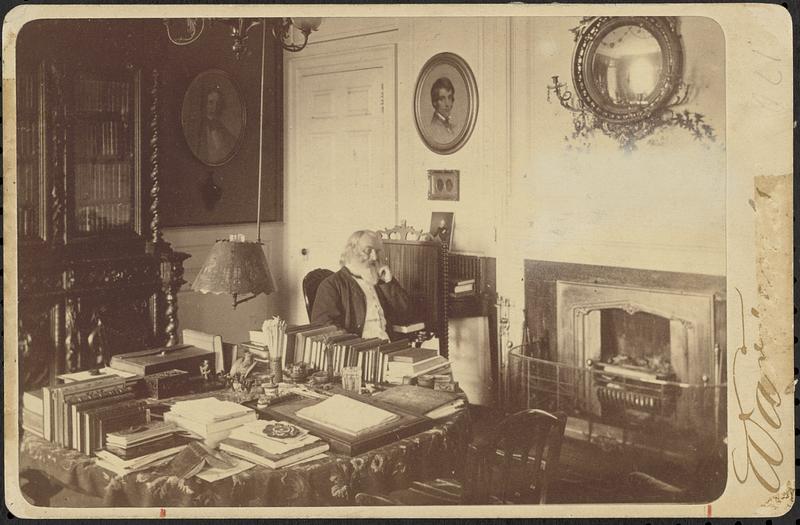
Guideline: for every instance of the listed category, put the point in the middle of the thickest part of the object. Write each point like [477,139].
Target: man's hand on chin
[385,273]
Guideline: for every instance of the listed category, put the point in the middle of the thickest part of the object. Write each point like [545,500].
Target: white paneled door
[341,169]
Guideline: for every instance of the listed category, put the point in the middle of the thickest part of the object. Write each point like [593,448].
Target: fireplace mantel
[541,278]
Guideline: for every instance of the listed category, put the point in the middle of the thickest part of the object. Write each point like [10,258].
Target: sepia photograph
[232,291]
[442,227]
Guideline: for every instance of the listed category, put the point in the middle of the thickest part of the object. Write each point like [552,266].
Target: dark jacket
[341,301]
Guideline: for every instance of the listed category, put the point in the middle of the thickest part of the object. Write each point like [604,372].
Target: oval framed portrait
[213,117]
[445,103]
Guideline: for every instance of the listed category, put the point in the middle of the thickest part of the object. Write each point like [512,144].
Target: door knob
[304,251]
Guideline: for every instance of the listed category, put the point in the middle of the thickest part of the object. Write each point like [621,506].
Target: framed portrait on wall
[213,117]
[445,103]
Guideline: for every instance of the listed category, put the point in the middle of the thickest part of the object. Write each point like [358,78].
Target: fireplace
[636,341]
[648,336]
[628,347]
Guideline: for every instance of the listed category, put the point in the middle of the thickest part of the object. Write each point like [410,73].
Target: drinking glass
[351,379]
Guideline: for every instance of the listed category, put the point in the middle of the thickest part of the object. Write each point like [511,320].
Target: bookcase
[30,127]
[95,277]
[104,144]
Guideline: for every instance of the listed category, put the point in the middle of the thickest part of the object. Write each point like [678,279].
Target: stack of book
[426,402]
[374,359]
[355,351]
[408,328]
[291,336]
[139,447]
[316,345]
[462,287]
[306,344]
[414,362]
[79,414]
[33,412]
[209,418]
[273,444]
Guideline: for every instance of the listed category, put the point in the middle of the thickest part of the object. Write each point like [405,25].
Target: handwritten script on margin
[761,451]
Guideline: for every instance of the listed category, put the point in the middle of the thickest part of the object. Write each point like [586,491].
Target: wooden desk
[333,481]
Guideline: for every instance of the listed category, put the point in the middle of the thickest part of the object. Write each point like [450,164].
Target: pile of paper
[209,418]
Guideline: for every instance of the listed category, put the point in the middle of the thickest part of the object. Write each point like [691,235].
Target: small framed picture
[443,185]
[442,223]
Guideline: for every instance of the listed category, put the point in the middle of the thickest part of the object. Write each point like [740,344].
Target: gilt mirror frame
[665,32]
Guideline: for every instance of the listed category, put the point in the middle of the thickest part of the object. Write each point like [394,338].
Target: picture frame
[444,185]
[442,225]
[213,117]
[445,103]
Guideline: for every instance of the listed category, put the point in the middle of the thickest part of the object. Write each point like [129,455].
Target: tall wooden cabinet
[95,276]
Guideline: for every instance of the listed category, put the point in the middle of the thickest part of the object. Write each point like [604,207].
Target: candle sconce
[628,79]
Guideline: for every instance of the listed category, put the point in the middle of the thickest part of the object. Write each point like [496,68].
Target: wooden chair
[310,284]
[513,464]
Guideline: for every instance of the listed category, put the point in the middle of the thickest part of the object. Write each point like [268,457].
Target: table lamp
[237,267]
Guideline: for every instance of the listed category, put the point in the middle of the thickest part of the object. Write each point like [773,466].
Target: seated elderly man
[362,297]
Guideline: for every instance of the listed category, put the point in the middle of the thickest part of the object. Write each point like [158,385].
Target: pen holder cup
[276,369]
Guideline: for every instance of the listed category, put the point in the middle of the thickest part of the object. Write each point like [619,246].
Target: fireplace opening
[638,341]
[635,351]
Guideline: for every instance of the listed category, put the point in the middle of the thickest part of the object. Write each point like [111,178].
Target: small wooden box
[168,383]
[152,361]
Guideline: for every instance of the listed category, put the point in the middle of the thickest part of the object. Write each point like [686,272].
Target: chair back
[518,458]
[310,284]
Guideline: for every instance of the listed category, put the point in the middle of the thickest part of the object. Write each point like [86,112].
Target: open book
[346,414]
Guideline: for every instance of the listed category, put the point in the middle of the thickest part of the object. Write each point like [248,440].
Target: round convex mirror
[625,68]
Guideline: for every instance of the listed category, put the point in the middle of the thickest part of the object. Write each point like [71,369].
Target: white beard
[368,271]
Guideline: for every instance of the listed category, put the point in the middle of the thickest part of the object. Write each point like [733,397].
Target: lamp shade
[236,268]
[307,24]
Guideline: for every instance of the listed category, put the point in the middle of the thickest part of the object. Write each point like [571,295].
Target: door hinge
[382,111]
